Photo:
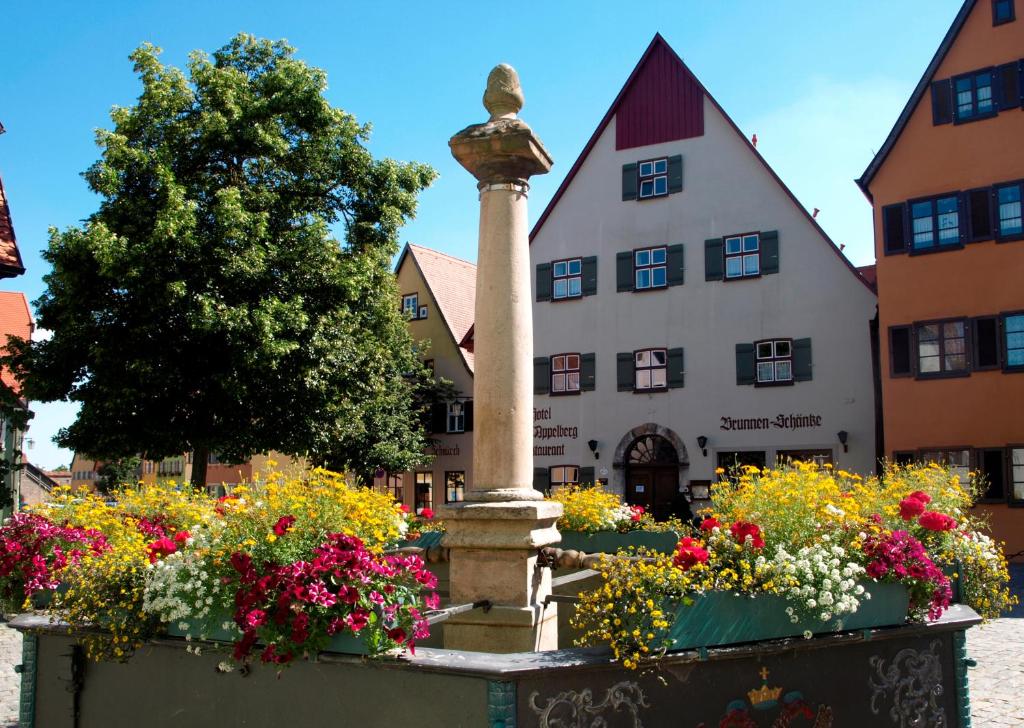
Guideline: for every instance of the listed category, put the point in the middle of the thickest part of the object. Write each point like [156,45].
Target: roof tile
[452,282]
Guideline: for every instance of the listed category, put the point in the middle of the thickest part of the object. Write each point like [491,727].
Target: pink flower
[910,508]
[689,553]
[397,634]
[935,521]
[740,530]
[255,618]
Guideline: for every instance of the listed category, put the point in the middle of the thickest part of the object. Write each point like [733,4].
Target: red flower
[921,496]
[283,524]
[910,508]
[160,548]
[638,513]
[935,521]
[689,553]
[397,634]
[427,513]
[404,508]
[741,529]
[709,524]
[181,537]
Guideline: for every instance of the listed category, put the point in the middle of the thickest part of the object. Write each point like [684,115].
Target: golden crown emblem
[763,694]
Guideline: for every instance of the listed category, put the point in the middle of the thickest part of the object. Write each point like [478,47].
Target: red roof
[15,320]
[452,283]
[870,274]
[10,257]
[653,73]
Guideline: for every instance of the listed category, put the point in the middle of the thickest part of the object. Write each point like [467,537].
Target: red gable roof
[15,320]
[10,257]
[661,70]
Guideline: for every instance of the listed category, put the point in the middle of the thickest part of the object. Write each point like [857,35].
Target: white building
[682,293]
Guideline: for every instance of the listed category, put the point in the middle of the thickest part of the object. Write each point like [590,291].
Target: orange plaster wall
[986,408]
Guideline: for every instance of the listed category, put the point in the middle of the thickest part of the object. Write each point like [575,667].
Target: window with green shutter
[590,275]
[624,371]
[676,265]
[714,265]
[624,271]
[676,368]
[745,371]
[588,372]
[652,178]
[544,281]
[541,375]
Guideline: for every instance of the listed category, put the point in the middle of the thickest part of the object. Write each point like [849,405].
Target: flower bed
[283,567]
[811,546]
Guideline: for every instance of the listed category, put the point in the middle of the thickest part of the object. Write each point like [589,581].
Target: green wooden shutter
[590,276]
[625,371]
[467,411]
[676,265]
[714,261]
[624,271]
[942,101]
[745,372]
[541,479]
[439,417]
[629,181]
[676,368]
[587,476]
[543,281]
[588,367]
[675,174]
[802,360]
[769,251]
[541,375]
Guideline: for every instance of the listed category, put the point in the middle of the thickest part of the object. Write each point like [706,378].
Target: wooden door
[640,487]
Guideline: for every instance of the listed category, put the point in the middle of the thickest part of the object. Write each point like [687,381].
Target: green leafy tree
[207,306]
[115,473]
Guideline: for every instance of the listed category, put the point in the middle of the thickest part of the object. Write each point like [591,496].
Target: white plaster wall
[726,190]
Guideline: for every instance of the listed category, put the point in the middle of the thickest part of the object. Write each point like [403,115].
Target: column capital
[500,151]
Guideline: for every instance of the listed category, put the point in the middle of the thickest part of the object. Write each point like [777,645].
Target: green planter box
[610,542]
[213,630]
[724,618]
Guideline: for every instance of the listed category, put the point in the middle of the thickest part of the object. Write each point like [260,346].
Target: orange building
[946,188]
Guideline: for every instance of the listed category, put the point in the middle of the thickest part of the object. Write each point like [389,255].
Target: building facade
[220,477]
[689,313]
[946,191]
[438,293]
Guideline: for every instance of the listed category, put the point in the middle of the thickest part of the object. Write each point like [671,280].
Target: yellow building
[438,293]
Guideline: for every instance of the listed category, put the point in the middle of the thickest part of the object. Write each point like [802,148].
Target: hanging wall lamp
[843,435]
[592,444]
[702,443]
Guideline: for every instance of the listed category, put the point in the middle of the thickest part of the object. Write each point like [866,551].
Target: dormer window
[653,178]
[411,307]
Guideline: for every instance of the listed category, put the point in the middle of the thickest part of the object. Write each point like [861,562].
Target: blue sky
[819,83]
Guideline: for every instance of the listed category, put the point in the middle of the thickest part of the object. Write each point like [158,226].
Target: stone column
[495,535]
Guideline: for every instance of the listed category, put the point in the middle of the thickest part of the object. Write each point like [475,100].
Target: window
[972,94]
[424,492]
[935,222]
[742,256]
[774,361]
[1017,473]
[1013,328]
[394,486]
[562,475]
[649,268]
[818,457]
[901,362]
[456,417]
[1002,11]
[567,278]
[565,373]
[653,178]
[411,305]
[730,461]
[959,461]
[991,467]
[213,459]
[651,369]
[941,347]
[454,486]
[1008,212]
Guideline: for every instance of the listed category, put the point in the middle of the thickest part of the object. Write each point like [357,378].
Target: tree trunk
[200,456]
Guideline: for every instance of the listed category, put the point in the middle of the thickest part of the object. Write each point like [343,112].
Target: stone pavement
[997,683]
[10,681]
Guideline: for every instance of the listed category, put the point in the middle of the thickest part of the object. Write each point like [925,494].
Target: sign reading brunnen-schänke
[550,438]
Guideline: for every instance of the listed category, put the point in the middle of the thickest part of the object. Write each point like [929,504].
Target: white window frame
[411,305]
[649,265]
[652,178]
[774,361]
[744,251]
[646,366]
[456,421]
[567,278]
[564,376]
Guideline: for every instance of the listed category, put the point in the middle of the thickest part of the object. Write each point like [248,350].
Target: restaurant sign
[779,422]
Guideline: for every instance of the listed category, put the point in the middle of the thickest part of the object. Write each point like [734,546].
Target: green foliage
[117,473]
[206,305]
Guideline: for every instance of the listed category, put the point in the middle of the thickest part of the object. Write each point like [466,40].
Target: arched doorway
[652,474]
